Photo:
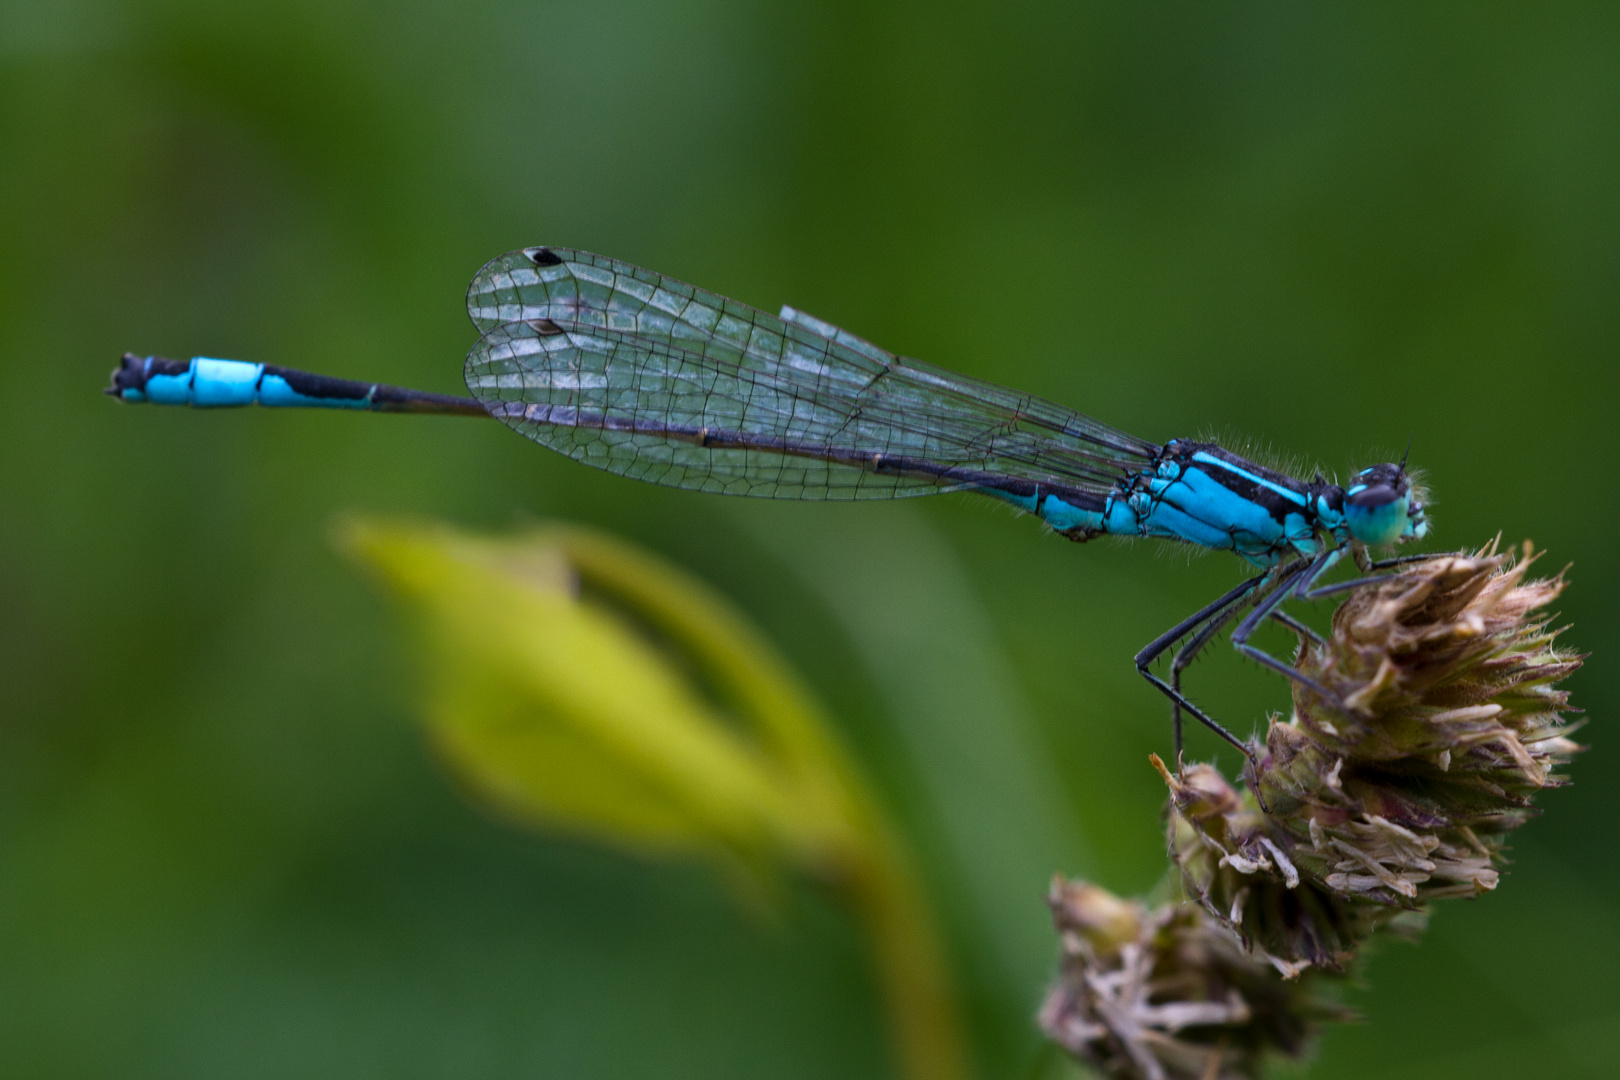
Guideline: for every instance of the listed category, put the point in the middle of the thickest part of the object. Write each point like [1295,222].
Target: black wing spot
[544,257]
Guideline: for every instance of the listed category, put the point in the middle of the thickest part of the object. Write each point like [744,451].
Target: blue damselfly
[653,379]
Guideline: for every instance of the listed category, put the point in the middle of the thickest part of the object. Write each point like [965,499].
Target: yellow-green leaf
[576,709]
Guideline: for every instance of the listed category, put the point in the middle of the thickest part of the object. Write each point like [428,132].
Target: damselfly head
[1383,506]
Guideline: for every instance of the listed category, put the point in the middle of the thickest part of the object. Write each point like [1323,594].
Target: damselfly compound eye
[1376,514]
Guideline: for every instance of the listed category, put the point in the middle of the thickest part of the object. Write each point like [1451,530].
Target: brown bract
[1168,993]
[1400,789]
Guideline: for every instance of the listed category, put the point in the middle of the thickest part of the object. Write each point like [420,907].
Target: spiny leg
[1300,587]
[1158,645]
[1188,652]
[1298,627]
[1294,584]
[1365,563]
[1210,722]
[1184,657]
[1369,579]
[1406,560]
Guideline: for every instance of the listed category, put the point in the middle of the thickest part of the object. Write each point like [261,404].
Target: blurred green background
[223,850]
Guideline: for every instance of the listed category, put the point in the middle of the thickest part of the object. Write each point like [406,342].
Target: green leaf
[554,710]
[577,684]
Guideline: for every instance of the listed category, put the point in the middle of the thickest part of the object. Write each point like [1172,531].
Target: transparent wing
[651,378]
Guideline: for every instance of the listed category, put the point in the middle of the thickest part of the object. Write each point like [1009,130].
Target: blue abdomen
[207,383]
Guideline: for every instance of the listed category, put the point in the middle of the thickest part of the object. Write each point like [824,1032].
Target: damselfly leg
[1300,587]
[1215,614]
[1369,579]
[1194,645]
[1295,583]
[1298,627]
[1267,593]
[1198,630]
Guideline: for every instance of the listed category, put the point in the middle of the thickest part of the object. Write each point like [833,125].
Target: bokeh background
[223,848]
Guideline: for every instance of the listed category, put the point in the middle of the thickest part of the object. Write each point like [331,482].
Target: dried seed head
[1232,863]
[1168,993]
[1401,791]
